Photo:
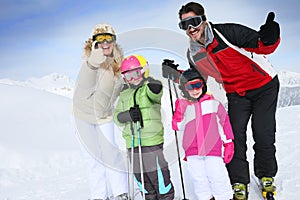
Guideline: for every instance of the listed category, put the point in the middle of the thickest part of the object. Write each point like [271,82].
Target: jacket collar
[209,36]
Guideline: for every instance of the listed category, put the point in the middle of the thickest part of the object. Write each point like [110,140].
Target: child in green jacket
[138,112]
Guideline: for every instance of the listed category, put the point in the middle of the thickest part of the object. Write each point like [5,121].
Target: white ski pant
[105,164]
[210,177]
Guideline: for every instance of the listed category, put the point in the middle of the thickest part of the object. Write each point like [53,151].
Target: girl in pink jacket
[207,139]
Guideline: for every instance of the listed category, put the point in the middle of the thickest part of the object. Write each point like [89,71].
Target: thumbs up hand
[270,31]
[97,57]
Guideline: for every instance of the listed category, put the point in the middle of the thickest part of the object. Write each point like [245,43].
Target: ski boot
[268,187]
[240,191]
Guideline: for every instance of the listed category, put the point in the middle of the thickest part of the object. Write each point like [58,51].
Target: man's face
[194,33]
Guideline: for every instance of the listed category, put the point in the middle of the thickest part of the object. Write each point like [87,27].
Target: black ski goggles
[194,22]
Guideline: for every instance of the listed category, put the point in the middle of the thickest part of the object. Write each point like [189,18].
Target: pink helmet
[133,62]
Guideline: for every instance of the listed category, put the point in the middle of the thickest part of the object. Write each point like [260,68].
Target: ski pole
[128,174]
[132,161]
[176,138]
[139,125]
[141,158]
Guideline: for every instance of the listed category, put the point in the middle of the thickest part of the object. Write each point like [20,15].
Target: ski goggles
[101,38]
[133,74]
[193,85]
[194,22]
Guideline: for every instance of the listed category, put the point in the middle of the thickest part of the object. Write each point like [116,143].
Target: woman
[98,86]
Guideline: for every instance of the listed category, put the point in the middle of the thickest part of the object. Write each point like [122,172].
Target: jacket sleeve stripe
[257,58]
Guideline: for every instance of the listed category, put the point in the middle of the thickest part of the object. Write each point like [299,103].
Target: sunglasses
[101,38]
[194,22]
[193,85]
[133,74]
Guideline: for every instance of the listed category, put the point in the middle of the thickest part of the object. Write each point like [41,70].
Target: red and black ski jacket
[234,55]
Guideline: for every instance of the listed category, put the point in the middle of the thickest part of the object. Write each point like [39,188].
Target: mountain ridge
[63,85]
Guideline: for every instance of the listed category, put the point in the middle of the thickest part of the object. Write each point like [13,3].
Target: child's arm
[154,90]
[132,115]
[225,123]
[178,115]
[154,85]
[227,129]
[124,117]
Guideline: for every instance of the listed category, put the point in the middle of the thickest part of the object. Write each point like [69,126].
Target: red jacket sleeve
[262,49]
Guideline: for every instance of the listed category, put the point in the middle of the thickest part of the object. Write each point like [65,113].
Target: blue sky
[41,37]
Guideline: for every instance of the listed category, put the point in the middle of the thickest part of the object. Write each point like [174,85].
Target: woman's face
[106,47]
[195,34]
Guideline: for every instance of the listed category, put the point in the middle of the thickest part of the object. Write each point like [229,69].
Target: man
[229,53]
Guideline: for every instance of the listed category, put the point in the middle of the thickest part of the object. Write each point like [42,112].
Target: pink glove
[228,152]
[174,125]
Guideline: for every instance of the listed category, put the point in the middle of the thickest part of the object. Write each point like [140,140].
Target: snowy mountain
[289,94]
[40,156]
[54,83]
[289,79]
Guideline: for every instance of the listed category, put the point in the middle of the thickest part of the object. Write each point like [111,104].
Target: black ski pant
[259,104]
[157,180]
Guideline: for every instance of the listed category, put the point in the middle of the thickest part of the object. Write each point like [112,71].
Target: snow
[41,159]
[54,83]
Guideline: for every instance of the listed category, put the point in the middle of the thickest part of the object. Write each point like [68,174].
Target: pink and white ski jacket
[205,124]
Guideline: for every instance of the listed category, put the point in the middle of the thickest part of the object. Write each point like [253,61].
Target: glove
[124,117]
[270,31]
[228,152]
[135,114]
[97,57]
[154,85]
[169,69]
[175,125]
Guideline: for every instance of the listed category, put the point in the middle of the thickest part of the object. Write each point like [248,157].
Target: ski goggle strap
[192,85]
[133,74]
[194,22]
[101,38]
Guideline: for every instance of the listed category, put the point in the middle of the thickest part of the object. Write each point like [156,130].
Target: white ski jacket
[97,89]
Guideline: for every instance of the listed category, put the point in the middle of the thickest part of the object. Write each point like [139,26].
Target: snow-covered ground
[40,156]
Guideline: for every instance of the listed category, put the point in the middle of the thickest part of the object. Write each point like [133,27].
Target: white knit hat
[103,28]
